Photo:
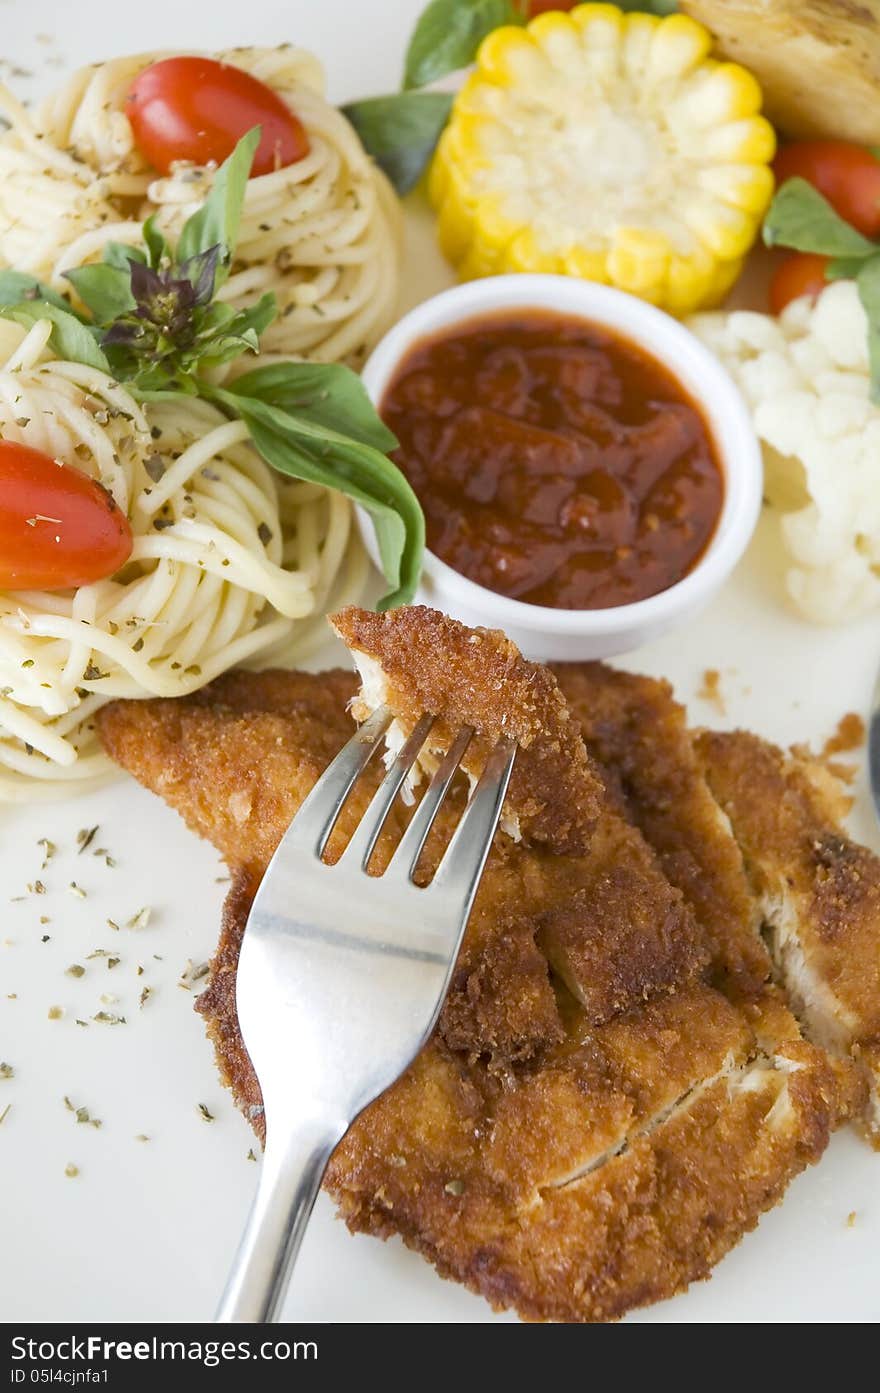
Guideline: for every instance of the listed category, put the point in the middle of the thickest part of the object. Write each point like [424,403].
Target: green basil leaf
[225,333]
[256,318]
[17,288]
[308,451]
[225,349]
[844,268]
[448,34]
[104,290]
[801,218]
[70,338]
[327,394]
[400,132]
[155,243]
[217,221]
[868,282]
[121,255]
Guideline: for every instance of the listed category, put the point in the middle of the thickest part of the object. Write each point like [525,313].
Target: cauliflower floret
[838,323]
[805,377]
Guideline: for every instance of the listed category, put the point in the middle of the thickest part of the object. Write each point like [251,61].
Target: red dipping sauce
[556,462]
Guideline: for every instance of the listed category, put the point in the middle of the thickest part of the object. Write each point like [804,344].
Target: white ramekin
[561,634]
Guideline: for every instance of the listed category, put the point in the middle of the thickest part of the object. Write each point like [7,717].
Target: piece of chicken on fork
[416,660]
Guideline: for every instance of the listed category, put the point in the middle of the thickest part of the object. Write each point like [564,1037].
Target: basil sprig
[401,130]
[802,218]
[151,321]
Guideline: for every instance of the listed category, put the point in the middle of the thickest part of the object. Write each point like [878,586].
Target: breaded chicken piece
[237,758]
[637,733]
[416,660]
[819,893]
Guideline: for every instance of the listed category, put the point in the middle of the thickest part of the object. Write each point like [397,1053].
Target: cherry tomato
[197,109]
[58,528]
[848,176]
[799,274]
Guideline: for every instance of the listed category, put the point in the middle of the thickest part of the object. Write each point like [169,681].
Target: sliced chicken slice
[819,894]
[637,733]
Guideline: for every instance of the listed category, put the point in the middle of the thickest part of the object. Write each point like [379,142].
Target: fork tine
[409,849]
[319,811]
[369,829]
[464,858]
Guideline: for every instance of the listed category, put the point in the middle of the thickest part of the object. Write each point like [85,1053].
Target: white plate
[146,1230]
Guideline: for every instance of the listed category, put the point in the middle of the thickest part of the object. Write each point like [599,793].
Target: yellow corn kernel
[495,230]
[746,186]
[524,254]
[733,92]
[476,139]
[598,22]
[588,265]
[509,56]
[638,260]
[679,45]
[727,232]
[479,262]
[559,41]
[752,141]
[601,30]
[638,36]
[690,281]
[727,273]
[664,159]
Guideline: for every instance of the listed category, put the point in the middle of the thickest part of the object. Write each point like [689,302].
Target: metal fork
[341,979]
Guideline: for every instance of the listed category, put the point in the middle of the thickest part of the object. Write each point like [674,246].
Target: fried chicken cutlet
[587,1131]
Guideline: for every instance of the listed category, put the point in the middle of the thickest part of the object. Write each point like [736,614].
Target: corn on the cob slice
[608,146]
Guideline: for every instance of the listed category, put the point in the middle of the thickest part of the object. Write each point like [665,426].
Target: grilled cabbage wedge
[818,61]
[608,146]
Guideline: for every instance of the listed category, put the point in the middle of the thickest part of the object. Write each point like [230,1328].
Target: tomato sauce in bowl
[557,463]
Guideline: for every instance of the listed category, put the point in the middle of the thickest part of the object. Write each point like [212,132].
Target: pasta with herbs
[323,233]
[230,563]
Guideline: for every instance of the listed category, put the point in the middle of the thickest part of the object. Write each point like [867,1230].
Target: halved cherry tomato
[58,528]
[802,273]
[197,109]
[848,176]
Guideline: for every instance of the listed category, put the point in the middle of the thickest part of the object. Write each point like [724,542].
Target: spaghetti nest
[323,234]
[230,561]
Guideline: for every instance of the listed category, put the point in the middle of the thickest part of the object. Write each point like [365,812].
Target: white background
[146,1230]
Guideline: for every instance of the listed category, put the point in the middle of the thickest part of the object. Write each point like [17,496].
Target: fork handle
[288,1187]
